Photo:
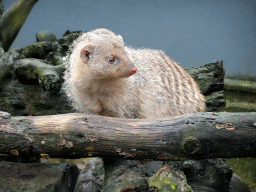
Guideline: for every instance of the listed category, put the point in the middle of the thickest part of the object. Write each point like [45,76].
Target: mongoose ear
[85,53]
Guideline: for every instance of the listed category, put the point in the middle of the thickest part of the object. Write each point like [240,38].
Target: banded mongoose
[106,77]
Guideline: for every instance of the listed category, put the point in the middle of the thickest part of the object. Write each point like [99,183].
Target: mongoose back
[106,77]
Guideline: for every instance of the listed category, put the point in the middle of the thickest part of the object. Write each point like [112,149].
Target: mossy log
[12,20]
[210,79]
[239,85]
[7,62]
[5,72]
[77,135]
[36,71]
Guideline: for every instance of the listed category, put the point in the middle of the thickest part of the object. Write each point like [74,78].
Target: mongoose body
[106,77]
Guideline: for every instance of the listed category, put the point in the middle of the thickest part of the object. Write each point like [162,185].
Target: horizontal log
[77,135]
[240,85]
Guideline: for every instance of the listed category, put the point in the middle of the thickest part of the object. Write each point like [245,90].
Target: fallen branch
[77,135]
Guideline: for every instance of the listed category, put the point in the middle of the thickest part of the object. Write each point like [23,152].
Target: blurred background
[192,33]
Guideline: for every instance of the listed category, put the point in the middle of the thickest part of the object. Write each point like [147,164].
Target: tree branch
[77,135]
[13,19]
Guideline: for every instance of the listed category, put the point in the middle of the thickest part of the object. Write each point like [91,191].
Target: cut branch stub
[191,145]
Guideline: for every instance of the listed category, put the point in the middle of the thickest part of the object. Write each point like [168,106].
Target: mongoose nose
[132,71]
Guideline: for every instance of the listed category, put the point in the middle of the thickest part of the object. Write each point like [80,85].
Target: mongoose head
[107,60]
[101,54]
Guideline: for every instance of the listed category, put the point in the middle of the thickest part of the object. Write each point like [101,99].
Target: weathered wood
[210,79]
[36,71]
[76,135]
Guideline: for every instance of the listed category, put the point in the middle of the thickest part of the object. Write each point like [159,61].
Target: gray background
[192,33]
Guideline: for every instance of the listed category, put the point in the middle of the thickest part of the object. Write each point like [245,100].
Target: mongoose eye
[112,59]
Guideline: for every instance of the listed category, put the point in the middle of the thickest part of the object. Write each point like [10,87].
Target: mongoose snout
[132,71]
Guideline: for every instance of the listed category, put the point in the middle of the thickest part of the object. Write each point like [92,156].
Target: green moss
[240,107]
[239,101]
[38,50]
[167,179]
[160,182]
[240,85]
[240,76]
[246,169]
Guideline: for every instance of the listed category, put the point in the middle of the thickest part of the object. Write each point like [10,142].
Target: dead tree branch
[77,135]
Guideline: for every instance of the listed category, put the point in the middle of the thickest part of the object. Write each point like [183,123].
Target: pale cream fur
[159,88]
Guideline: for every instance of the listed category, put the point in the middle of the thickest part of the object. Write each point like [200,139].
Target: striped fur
[159,88]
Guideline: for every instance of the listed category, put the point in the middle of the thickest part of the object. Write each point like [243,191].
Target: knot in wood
[191,145]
